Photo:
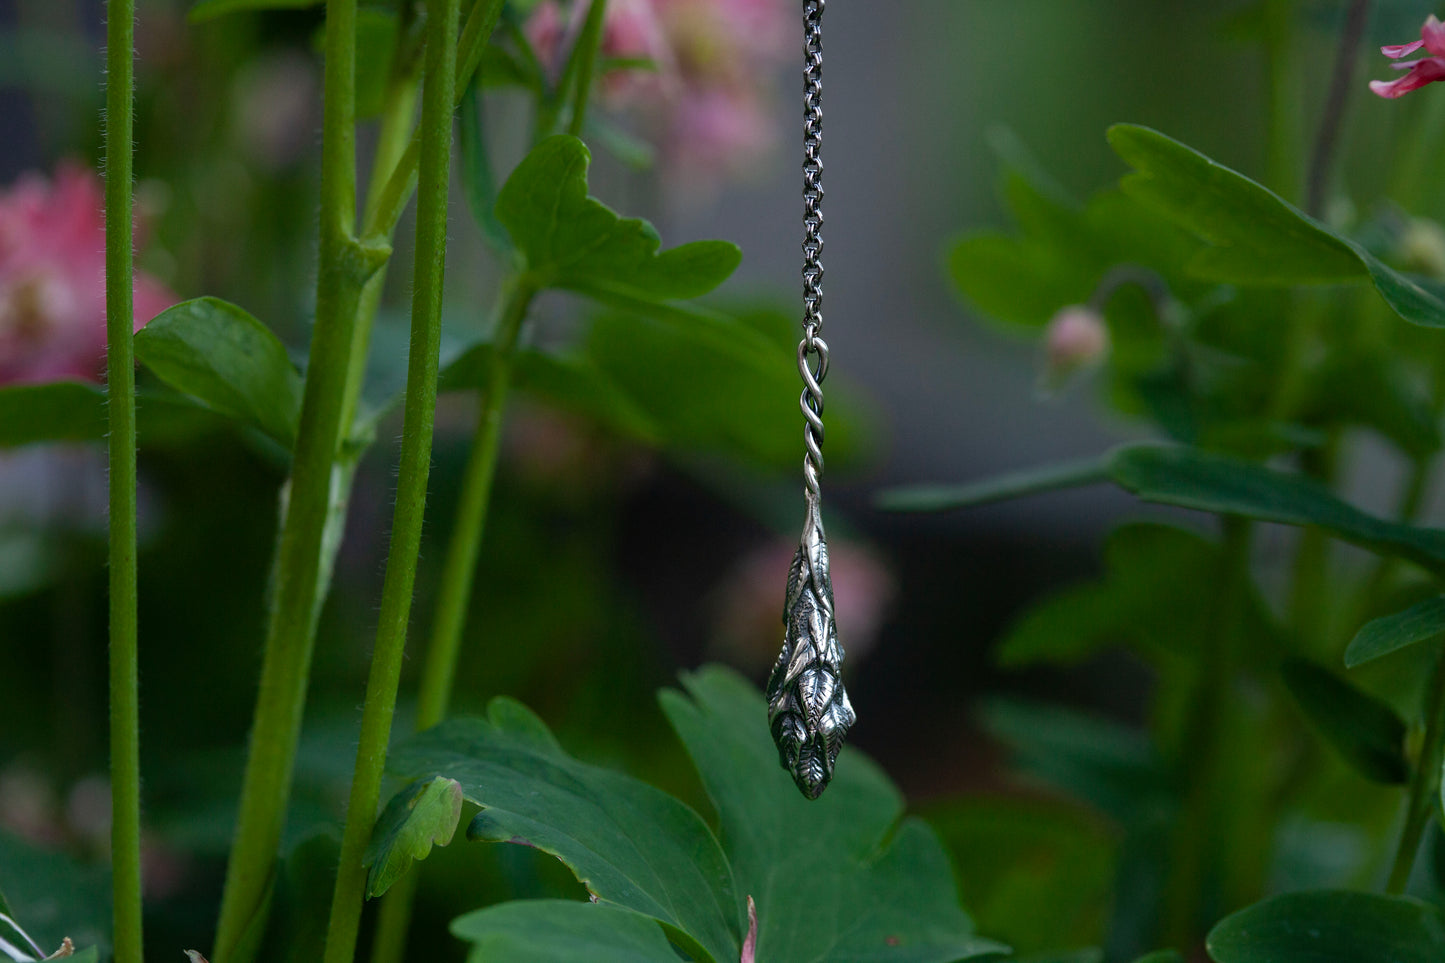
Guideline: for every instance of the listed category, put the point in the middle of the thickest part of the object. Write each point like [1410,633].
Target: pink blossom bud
[1075,338]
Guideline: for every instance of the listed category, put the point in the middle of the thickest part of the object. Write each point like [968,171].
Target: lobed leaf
[571,240]
[1390,633]
[1366,732]
[840,879]
[1256,237]
[562,931]
[1331,926]
[220,355]
[631,845]
[424,813]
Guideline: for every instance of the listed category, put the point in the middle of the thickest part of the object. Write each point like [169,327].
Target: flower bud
[1076,338]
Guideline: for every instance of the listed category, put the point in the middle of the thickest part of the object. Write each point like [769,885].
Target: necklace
[808,708]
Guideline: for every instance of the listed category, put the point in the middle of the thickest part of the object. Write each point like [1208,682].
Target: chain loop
[808,708]
[813,344]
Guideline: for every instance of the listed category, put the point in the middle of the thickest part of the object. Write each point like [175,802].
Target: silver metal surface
[808,708]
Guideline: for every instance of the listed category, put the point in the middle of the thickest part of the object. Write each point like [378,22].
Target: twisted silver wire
[813,344]
[808,708]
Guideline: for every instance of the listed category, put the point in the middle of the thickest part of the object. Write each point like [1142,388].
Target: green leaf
[1162,956]
[211,9]
[1374,389]
[54,411]
[1037,874]
[53,897]
[631,845]
[1256,237]
[571,383]
[1206,481]
[741,403]
[935,498]
[1391,633]
[1149,599]
[224,358]
[570,240]
[1191,478]
[887,884]
[1331,926]
[296,930]
[423,813]
[1112,767]
[561,931]
[1365,731]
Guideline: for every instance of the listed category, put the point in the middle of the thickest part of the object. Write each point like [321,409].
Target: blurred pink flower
[748,602]
[1421,72]
[708,97]
[719,131]
[630,32]
[52,279]
[1076,337]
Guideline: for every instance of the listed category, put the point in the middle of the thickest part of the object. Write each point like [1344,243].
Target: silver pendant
[808,708]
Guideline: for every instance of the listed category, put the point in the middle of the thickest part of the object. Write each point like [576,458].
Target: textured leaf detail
[808,707]
[422,814]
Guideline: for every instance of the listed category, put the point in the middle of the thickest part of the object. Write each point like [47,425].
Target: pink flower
[631,31]
[1076,337]
[1421,72]
[707,100]
[52,279]
[719,130]
[747,631]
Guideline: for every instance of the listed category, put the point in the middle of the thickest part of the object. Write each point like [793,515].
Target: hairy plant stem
[438,100]
[120,382]
[1422,800]
[1347,55]
[1202,749]
[348,291]
[392,197]
[458,576]
[345,266]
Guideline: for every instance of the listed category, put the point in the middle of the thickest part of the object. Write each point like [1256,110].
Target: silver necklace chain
[808,708]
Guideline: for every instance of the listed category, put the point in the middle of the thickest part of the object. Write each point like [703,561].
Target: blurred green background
[607,568]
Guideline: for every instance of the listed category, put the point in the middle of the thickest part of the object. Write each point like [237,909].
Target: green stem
[459,568]
[438,101]
[458,575]
[398,113]
[394,194]
[1282,163]
[345,266]
[1202,744]
[589,43]
[1342,84]
[120,379]
[1425,784]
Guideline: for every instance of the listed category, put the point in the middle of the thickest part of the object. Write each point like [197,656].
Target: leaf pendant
[808,708]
